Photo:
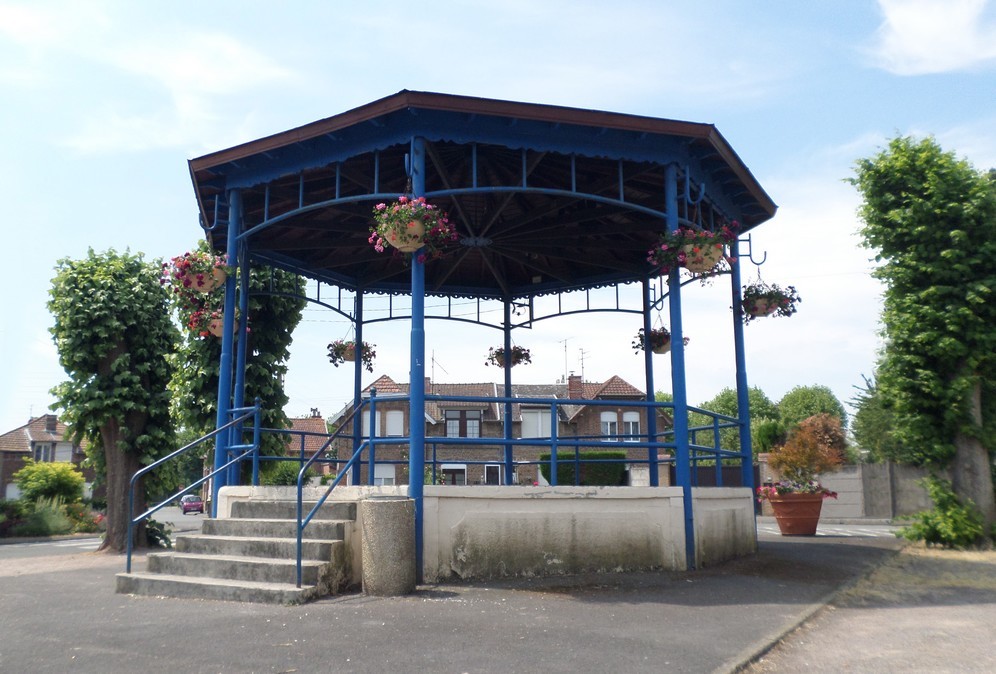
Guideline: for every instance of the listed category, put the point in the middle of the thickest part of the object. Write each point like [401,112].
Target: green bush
[47,518]
[950,523]
[83,520]
[283,473]
[157,534]
[49,480]
[592,474]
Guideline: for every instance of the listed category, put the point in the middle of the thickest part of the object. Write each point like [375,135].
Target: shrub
[47,518]
[816,445]
[12,513]
[949,524]
[283,473]
[592,474]
[49,480]
[157,534]
[82,519]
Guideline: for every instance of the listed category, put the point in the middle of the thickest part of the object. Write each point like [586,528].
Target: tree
[873,425]
[49,480]
[725,402]
[113,334]
[803,402]
[816,445]
[275,309]
[931,219]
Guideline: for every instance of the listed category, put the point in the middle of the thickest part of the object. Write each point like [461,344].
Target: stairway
[251,556]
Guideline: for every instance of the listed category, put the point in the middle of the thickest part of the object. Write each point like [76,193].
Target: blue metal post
[509,464]
[357,381]
[682,466]
[743,399]
[648,365]
[227,338]
[234,471]
[416,409]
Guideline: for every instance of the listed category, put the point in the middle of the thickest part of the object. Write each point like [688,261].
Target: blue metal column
[682,467]
[648,365]
[743,399]
[358,385]
[225,366]
[507,426]
[234,472]
[416,409]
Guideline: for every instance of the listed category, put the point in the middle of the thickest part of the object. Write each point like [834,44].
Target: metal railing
[240,415]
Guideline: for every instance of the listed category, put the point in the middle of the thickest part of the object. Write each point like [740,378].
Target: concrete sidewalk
[66,617]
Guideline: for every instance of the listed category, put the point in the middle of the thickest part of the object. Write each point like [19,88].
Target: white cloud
[919,37]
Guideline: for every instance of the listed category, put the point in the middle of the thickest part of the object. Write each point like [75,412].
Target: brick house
[308,436]
[42,439]
[476,464]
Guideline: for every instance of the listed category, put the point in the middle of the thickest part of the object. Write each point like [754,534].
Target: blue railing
[240,416]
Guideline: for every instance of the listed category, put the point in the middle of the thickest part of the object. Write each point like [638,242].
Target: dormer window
[463,423]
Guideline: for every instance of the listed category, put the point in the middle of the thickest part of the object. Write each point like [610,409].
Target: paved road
[69,546]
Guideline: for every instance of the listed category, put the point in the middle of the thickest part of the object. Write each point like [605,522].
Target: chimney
[428,385]
[50,422]
[574,389]
[315,413]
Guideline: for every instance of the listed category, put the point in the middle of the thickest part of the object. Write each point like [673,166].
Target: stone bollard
[388,545]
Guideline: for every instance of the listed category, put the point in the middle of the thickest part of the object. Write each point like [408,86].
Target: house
[42,439]
[581,426]
[308,435]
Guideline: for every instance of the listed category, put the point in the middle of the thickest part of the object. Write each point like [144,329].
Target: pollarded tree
[113,334]
[931,218]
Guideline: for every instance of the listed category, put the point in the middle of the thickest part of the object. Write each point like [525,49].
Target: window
[365,425]
[631,426]
[383,473]
[463,423]
[492,473]
[395,423]
[43,452]
[610,425]
[455,474]
[535,424]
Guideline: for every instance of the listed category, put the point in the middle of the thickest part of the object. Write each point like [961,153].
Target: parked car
[191,503]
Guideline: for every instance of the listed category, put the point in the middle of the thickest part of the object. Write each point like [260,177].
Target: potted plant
[700,251]
[768,299]
[659,340]
[195,271]
[409,225]
[815,446]
[342,350]
[519,354]
[205,321]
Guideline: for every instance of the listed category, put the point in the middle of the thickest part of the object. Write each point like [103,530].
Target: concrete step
[280,548]
[158,585]
[237,568]
[322,530]
[287,510]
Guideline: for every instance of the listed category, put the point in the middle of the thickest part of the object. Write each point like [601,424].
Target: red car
[191,503]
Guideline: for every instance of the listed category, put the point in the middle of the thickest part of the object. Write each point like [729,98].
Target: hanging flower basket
[409,225]
[343,351]
[206,322]
[700,251]
[519,354]
[195,271]
[763,299]
[658,339]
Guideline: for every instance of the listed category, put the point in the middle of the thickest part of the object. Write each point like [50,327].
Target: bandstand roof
[545,198]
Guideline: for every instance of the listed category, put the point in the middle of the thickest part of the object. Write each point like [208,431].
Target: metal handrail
[246,413]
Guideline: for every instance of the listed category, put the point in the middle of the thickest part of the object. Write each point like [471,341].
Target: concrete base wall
[488,532]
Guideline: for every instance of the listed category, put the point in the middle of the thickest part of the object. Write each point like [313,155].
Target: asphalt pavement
[711,620]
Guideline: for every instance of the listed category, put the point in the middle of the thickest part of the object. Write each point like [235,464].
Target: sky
[106,101]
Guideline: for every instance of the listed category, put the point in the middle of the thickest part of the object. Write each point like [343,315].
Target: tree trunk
[120,466]
[971,475]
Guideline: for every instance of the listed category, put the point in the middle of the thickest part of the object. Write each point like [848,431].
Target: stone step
[280,548]
[235,568]
[287,510]
[158,585]
[322,530]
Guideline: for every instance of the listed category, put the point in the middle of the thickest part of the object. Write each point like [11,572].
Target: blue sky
[104,102]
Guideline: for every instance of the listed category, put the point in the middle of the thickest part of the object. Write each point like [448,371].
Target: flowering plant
[410,225]
[698,250]
[342,350]
[195,271]
[816,445]
[776,489]
[659,340]
[766,299]
[496,356]
[205,321]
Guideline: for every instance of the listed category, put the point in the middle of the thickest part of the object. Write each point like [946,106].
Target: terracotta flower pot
[701,259]
[408,240]
[797,514]
[205,283]
[349,353]
[761,307]
[662,348]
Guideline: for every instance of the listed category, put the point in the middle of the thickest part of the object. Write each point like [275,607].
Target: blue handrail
[245,413]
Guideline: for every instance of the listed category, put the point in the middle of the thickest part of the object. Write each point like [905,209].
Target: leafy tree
[803,402]
[725,402]
[113,334]
[49,480]
[931,218]
[275,309]
[816,445]
[873,425]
